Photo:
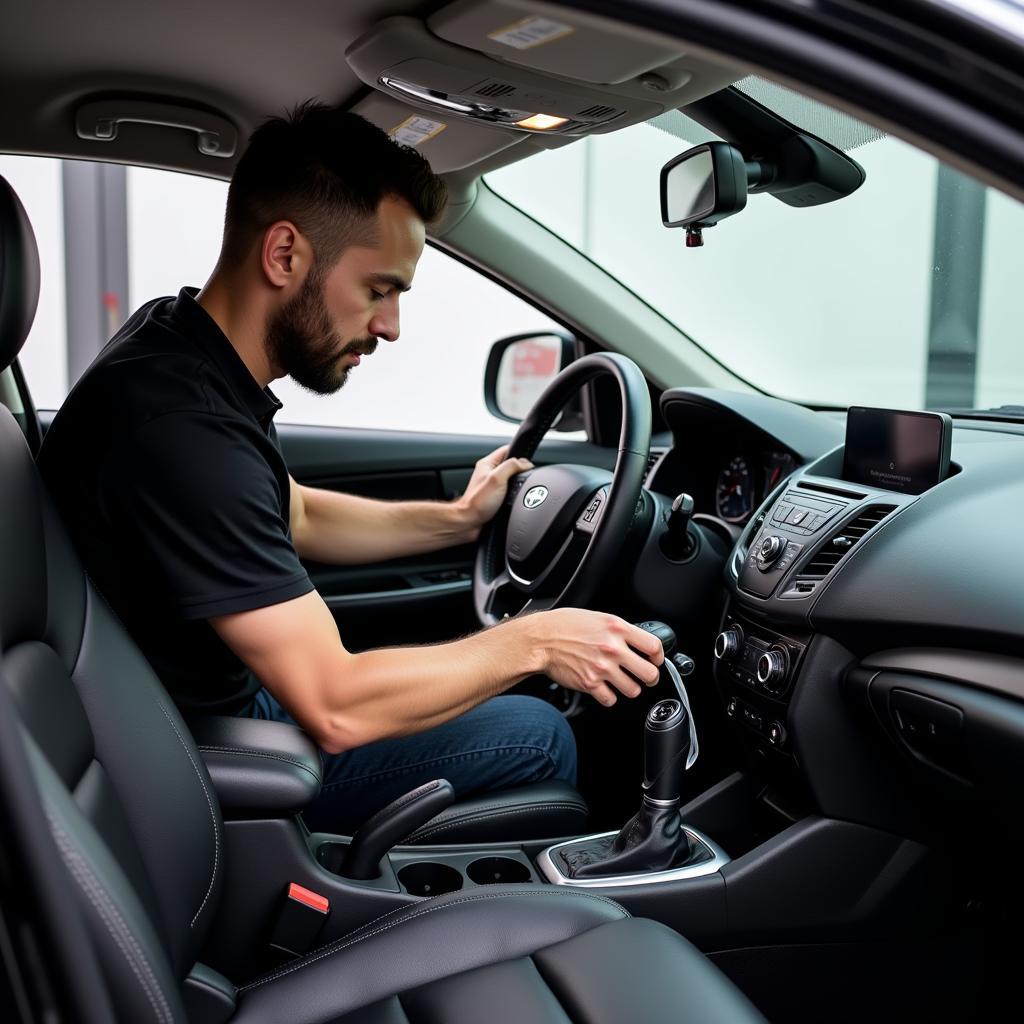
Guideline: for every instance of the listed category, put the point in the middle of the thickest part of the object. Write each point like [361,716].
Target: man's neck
[242,319]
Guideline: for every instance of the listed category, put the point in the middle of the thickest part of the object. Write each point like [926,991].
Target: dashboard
[869,654]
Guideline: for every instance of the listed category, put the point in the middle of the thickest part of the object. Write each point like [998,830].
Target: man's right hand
[592,652]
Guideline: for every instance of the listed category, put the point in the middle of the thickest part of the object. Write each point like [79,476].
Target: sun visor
[448,144]
[401,58]
[565,43]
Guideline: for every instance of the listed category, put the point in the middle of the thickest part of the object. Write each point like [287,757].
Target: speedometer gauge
[734,493]
[777,466]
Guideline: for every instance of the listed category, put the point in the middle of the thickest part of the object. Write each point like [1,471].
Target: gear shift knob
[666,746]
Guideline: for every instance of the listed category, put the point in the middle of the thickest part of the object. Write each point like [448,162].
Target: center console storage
[418,871]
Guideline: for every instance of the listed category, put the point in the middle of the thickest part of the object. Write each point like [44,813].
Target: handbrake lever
[391,824]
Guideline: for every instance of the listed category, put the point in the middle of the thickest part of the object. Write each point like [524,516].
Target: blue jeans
[506,741]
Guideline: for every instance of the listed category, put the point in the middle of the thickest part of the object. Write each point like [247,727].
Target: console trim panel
[549,869]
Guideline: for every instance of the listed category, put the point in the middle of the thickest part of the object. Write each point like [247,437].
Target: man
[165,463]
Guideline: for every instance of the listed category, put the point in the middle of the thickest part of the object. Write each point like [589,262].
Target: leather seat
[130,809]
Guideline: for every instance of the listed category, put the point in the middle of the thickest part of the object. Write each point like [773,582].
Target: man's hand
[592,652]
[488,484]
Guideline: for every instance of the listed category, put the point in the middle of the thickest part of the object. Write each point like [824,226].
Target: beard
[303,342]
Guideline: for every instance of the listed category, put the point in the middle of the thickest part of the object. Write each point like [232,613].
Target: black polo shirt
[166,467]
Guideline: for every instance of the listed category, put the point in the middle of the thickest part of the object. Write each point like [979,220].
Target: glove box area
[956,717]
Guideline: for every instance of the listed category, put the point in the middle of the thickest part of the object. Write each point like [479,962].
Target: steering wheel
[561,527]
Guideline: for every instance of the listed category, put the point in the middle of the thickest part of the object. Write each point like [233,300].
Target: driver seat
[543,810]
[132,834]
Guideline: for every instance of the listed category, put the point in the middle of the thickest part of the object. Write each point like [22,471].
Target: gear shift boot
[652,840]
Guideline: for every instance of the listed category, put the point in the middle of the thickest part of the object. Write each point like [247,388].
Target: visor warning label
[530,32]
[414,131]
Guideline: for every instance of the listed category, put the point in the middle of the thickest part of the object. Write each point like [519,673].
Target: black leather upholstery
[259,769]
[134,817]
[19,275]
[506,955]
[541,811]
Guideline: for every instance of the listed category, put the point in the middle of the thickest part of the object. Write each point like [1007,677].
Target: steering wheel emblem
[535,496]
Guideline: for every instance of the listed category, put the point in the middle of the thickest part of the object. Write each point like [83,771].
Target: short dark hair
[326,170]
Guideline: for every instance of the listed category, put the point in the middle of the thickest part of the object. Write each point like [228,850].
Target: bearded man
[166,466]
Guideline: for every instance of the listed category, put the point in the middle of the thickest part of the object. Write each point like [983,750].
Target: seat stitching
[199,775]
[454,820]
[259,753]
[113,922]
[209,803]
[509,805]
[348,941]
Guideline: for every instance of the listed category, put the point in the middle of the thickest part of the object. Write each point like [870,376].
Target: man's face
[336,318]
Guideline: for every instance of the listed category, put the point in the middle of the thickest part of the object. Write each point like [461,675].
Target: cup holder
[428,879]
[498,871]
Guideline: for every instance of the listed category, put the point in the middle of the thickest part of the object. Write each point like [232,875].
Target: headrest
[19,275]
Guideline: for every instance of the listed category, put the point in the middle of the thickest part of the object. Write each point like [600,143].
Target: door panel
[412,600]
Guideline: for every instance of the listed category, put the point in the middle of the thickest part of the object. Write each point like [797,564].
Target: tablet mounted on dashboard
[897,450]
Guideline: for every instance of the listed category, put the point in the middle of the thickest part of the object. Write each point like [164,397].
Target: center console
[755,667]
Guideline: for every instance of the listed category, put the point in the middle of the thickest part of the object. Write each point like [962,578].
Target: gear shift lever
[653,839]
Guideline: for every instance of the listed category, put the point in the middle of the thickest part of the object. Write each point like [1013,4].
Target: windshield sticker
[530,32]
[414,131]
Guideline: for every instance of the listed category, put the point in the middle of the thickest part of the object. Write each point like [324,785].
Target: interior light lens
[542,122]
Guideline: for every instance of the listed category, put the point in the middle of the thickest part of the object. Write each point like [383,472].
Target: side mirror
[702,186]
[520,367]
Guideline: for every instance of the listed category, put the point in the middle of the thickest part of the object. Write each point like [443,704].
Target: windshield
[903,293]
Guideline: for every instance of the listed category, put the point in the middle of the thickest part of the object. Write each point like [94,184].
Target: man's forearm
[399,691]
[345,529]
[347,700]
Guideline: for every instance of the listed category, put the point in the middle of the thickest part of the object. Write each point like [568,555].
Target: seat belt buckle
[299,922]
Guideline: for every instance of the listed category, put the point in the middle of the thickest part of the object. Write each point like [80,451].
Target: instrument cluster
[745,480]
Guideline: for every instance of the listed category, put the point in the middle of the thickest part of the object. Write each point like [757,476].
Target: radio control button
[769,551]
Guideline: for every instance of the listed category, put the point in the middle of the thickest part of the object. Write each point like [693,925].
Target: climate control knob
[772,668]
[728,643]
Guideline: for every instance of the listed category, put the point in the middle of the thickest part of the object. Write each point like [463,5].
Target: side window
[432,378]
[112,238]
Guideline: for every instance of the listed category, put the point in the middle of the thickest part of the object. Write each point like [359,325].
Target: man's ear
[285,255]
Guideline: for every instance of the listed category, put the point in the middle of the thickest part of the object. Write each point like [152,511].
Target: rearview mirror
[702,186]
[520,367]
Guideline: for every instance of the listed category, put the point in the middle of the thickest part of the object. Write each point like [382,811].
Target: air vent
[494,89]
[653,459]
[597,112]
[842,542]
